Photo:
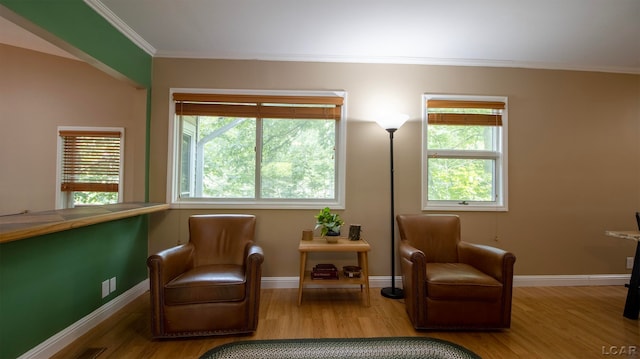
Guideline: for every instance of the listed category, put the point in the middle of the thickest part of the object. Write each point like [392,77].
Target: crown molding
[121,26]
[397,60]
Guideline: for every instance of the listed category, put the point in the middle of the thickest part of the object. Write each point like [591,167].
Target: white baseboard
[60,340]
[518,281]
[57,342]
[570,280]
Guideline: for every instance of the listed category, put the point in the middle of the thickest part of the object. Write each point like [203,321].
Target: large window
[257,149]
[464,155]
[90,163]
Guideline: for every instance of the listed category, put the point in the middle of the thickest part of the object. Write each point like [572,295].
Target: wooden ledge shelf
[31,224]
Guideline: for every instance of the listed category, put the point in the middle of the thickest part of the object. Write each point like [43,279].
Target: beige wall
[574,158]
[40,92]
[574,150]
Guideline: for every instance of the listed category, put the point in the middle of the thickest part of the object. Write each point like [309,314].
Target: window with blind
[90,165]
[257,149]
[464,155]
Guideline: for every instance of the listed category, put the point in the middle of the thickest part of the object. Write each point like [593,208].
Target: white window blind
[91,161]
[259,106]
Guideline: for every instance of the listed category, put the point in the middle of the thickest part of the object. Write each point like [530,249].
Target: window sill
[467,208]
[249,204]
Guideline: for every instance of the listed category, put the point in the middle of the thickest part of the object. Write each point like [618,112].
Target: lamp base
[392,292]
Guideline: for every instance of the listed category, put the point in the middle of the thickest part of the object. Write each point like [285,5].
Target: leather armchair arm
[163,267]
[253,275]
[411,254]
[495,262]
[170,263]
[254,258]
[413,264]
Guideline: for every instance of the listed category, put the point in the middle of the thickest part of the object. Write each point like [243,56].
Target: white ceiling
[601,35]
[596,35]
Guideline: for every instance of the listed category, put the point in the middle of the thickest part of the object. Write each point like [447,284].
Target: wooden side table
[361,247]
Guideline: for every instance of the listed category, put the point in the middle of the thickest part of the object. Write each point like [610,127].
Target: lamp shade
[393,121]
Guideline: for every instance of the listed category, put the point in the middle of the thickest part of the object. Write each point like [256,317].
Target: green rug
[383,348]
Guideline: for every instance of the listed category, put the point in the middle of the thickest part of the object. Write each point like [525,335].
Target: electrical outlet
[105,288]
[112,285]
[629,262]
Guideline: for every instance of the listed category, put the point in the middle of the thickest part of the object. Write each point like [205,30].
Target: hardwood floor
[547,322]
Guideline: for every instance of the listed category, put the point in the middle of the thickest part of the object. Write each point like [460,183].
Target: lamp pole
[392,292]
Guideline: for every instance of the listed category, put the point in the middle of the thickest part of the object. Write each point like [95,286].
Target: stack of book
[324,271]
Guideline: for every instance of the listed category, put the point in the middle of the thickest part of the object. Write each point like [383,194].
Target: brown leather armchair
[449,283]
[211,285]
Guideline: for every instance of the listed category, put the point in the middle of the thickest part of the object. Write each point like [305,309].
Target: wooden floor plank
[547,322]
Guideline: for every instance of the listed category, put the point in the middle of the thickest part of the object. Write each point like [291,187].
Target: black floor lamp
[391,124]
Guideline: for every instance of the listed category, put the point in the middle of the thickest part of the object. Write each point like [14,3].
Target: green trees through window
[288,158]
[298,159]
[225,157]
[461,179]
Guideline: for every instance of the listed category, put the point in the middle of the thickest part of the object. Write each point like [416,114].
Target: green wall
[50,282]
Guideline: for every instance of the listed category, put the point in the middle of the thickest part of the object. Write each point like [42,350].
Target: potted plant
[329,223]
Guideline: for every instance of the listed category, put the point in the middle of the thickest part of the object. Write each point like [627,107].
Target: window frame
[64,199]
[173,170]
[500,155]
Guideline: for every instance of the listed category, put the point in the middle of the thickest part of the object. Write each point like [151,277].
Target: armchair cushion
[459,281]
[207,284]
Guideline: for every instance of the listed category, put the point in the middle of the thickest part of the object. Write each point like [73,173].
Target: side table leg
[632,305]
[303,266]
[363,262]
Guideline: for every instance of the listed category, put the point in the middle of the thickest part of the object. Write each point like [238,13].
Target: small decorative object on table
[307,235]
[329,223]
[352,271]
[354,232]
[331,239]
